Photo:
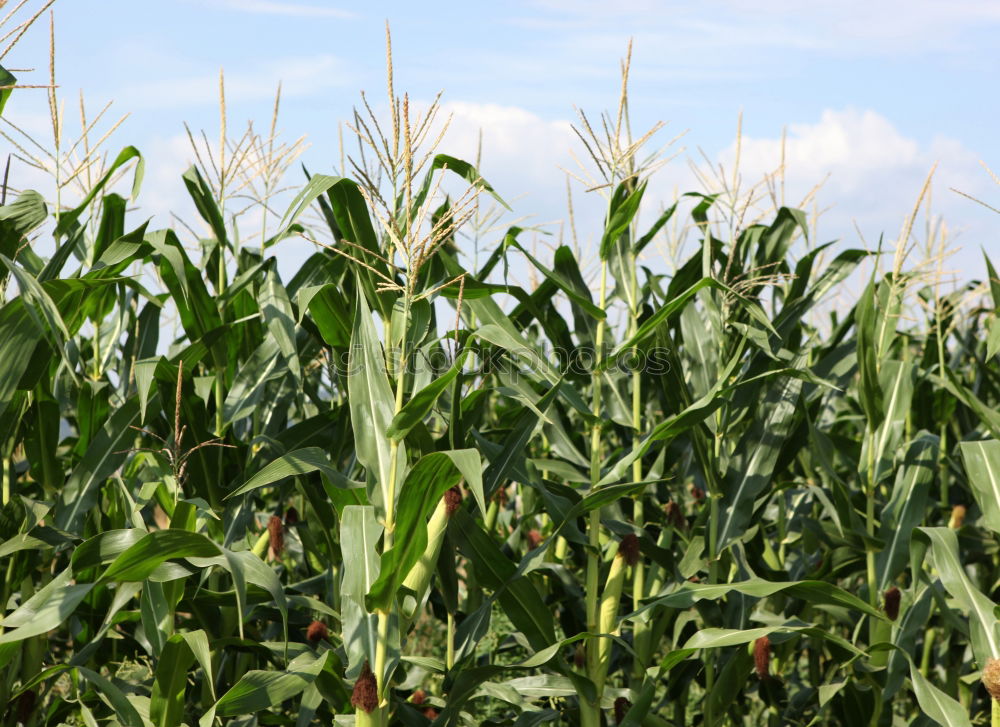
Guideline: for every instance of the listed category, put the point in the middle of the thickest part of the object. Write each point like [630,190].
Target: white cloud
[875,175]
[874,169]
[873,172]
[518,145]
[163,191]
[268,7]
[299,76]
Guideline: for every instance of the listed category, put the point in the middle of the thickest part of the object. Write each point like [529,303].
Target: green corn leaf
[815,592]
[896,381]
[317,185]
[7,80]
[650,235]
[752,472]
[166,703]
[329,312]
[715,638]
[906,507]
[278,316]
[648,327]
[124,709]
[45,610]
[516,594]
[20,217]
[19,336]
[457,166]
[578,295]
[105,454]
[423,487]
[372,404]
[140,560]
[421,403]
[69,218]
[622,210]
[943,546]
[937,705]
[514,444]
[299,462]
[865,319]
[203,196]
[360,534]
[982,465]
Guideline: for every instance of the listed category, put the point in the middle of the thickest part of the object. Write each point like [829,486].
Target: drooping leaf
[983,623]
[372,405]
[982,465]
[299,462]
[360,534]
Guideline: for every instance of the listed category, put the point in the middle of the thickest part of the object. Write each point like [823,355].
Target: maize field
[758,484]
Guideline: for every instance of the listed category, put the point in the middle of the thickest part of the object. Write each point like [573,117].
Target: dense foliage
[392,489]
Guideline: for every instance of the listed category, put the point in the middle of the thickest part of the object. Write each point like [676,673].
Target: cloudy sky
[871,94]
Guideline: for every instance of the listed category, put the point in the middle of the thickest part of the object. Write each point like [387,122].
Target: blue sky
[872,93]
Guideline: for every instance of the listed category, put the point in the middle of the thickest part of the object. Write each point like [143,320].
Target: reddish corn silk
[317,630]
[276,530]
[364,696]
[452,500]
[622,706]
[418,698]
[628,549]
[762,658]
[501,497]
[891,601]
[534,538]
[291,516]
[674,515]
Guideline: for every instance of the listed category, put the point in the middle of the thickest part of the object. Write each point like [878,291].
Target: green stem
[680,707]
[782,527]
[220,288]
[220,397]
[5,474]
[590,712]
[870,522]
[943,444]
[641,630]
[714,495]
[389,494]
[450,656]
[870,553]
[875,627]
[97,351]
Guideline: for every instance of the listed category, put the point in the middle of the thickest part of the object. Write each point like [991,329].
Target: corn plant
[399,488]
